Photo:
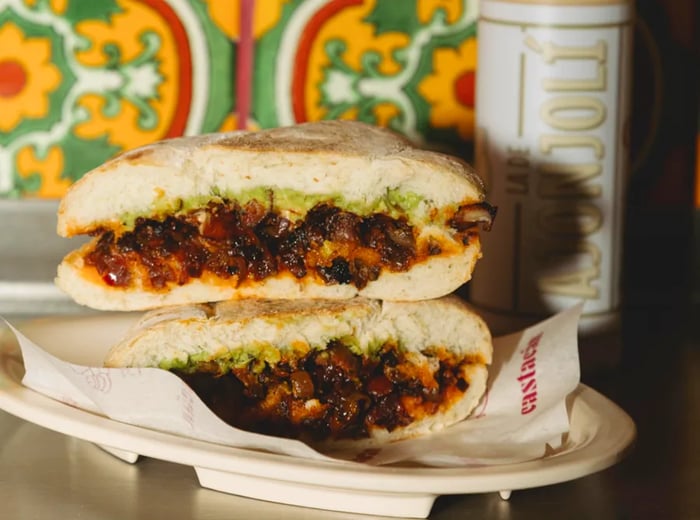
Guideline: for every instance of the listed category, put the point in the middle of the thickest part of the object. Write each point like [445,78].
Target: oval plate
[599,436]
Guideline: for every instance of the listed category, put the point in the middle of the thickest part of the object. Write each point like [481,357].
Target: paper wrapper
[522,416]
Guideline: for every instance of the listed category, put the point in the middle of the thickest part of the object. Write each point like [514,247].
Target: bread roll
[328,209]
[325,371]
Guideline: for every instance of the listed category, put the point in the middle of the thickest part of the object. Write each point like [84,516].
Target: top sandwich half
[319,210]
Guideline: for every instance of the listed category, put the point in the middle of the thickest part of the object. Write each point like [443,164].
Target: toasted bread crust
[359,160]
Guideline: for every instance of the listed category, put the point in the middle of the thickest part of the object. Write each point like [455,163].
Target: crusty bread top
[208,331]
[358,160]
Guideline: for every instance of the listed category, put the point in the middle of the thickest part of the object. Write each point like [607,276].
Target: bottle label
[552,105]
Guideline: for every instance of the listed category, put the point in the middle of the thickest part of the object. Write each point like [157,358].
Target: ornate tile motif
[82,80]
[408,65]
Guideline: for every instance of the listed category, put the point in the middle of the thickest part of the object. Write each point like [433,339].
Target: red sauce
[329,394]
[254,243]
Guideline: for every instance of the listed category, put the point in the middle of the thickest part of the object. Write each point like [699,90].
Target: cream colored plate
[600,435]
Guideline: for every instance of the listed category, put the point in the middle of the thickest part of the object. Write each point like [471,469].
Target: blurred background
[81,81]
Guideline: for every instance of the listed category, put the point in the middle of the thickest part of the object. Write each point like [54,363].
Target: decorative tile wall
[82,80]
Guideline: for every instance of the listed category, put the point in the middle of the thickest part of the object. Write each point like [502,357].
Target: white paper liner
[522,415]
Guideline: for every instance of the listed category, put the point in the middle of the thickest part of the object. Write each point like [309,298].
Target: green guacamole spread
[393,203]
[260,354]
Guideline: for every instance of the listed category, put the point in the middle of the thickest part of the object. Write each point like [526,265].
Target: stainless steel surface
[47,475]
[30,250]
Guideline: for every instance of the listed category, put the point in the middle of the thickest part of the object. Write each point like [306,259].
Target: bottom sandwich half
[327,372]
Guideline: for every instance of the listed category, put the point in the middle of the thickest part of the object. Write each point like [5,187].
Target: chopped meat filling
[328,394]
[251,242]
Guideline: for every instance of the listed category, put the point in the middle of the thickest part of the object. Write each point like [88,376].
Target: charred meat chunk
[327,394]
[253,242]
